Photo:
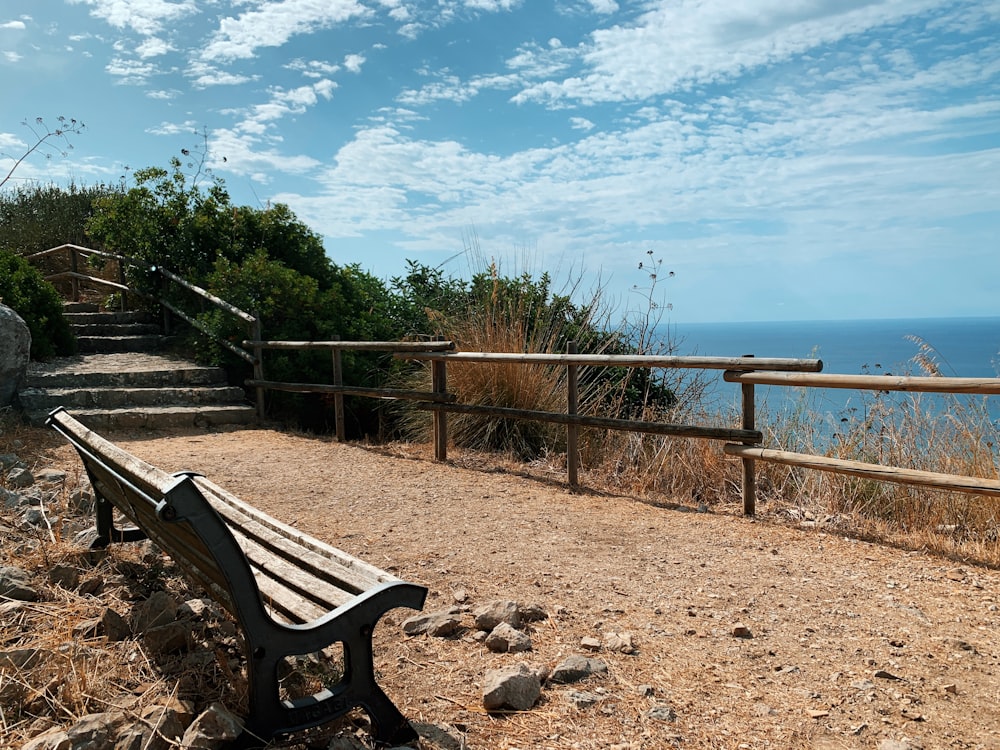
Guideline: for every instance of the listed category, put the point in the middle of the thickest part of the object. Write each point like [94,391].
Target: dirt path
[850,644]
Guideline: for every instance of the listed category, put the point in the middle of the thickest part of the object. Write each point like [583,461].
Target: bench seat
[290,594]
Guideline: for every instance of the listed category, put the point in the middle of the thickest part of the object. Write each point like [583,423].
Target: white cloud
[581,123]
[492,6]
[313,68]
[11,56]
[174,128]
[203,76]
[131,71]
[274,23]
[13,25]
[679,43]
[147,17]
[153,47]
[605,7]
[353,63]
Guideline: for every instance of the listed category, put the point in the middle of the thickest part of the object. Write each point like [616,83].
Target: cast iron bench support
[291,594]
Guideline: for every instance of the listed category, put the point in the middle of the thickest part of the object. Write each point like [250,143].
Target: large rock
[15,349]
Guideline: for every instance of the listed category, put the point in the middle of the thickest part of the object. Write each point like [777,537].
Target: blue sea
[962,347]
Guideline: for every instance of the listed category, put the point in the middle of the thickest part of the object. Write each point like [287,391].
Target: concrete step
[115,318]
[109,344]
[80,307]
[164,417]
[122,369]
[115,329]
[40,401]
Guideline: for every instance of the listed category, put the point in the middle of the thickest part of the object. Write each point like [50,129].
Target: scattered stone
[167,639]
[895,745]
[10,499]
[9,461]
[96,730]
[647,691]
[199,609]
[19,478]
[662,713]
[22,658]
[491,614]
[883,675]
[159,728]
[440,624]
[503,638]
[54,739]
[159,609]
[622,643]
[741,631]
[346,742]
[575,668]
[64,576]
[515,687]
[114,626]
[213,729]
[460,596]
[590,643]
[762,709]
[582,699]
[863,685]
[15,583]
[817,714]
[951,687]
[51,476]
[533,613]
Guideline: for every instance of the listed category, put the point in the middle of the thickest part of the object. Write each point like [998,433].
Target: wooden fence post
[257,334]
[338,398]
[572,430]
[74,267]
[749,473]
[439,384]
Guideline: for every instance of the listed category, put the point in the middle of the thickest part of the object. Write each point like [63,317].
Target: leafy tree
[23,289]
[37,217]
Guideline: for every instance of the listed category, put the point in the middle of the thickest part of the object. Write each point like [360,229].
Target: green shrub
[23,289]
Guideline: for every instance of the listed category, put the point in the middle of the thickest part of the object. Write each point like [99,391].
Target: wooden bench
[291,594]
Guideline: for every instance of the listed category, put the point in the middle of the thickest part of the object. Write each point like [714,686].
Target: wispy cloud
[147,17]
[13,25]
[675,45]
[275,23]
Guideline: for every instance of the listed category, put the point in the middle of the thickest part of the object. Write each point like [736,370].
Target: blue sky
[786,159]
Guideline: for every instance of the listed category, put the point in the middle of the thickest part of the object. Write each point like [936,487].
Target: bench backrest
[172,512]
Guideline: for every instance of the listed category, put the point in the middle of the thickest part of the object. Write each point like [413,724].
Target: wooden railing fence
[77,259]
[748,371]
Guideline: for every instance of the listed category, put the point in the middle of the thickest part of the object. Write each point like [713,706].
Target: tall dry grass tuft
[951,434]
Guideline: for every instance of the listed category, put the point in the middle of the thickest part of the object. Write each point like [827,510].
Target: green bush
[23,289]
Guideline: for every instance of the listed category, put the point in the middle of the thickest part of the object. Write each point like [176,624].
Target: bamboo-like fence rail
[748,371]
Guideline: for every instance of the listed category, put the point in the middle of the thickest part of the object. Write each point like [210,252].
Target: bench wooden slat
[267,574]
[366,575]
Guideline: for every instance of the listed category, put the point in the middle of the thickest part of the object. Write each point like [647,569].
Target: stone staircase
[123,379]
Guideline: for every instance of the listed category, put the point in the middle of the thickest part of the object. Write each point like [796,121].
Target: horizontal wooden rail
[983,386]
[634,360]
[362,346]
[653,428]
[354,390]
[953,482]
[217,301]
[241,353]
[91,279]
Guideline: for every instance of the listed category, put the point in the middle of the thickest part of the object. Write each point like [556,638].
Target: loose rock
[491,614]
[516,687]
[576,668]
[215,727]
[504,638]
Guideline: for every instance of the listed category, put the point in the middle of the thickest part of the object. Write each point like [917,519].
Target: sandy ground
[846,644]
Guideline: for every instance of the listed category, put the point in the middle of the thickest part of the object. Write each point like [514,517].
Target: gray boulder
[15,349]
